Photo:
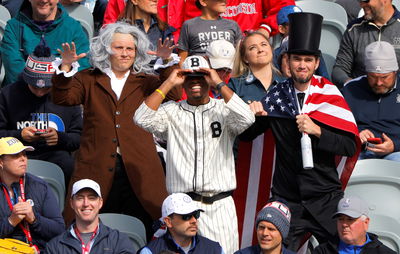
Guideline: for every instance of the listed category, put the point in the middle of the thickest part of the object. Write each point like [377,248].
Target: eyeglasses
[188,216]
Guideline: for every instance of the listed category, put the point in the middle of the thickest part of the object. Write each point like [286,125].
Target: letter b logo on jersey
[216,129]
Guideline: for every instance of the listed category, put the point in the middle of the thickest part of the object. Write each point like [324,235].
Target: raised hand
[164,50]
[211,76]
[68,54]
[177,77]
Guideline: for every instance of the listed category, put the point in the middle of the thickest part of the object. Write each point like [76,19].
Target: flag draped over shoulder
[324,104]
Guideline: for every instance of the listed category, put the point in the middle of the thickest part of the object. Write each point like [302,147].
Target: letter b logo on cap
[195,62]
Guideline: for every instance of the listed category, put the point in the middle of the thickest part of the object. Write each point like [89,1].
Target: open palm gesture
[165,49]
[68,54]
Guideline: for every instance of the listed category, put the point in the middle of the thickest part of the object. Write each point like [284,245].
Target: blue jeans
[371,155]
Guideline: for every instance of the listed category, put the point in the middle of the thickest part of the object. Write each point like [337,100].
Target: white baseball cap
[194,63]
[221,54]
[86,183]
[179,203]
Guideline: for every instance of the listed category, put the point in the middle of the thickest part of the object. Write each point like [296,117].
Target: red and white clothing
[249,14]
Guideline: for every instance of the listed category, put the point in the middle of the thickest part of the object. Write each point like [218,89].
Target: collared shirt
[154,33]
[249,88]
[117,84]
[200,140]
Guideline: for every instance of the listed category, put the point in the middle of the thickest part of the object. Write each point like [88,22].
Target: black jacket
[20,108]
[373,247]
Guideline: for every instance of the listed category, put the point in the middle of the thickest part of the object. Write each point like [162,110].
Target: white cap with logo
[194,63]
[179,203]
[221,54]
[86,183]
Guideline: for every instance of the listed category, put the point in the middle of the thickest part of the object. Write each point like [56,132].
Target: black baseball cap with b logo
[194,63]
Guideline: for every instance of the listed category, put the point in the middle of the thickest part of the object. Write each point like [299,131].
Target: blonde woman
[253,71]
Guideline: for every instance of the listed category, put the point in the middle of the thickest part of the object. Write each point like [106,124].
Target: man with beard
[179,215]
[300,108]
[381,21]
[374,98]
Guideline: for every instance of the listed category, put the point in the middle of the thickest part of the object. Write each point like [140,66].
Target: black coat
[373,247]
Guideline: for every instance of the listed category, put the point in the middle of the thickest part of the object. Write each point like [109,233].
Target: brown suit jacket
[108,123]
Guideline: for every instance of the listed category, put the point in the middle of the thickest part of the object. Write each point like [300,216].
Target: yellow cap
[10,145]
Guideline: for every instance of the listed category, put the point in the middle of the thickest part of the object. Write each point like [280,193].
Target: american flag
[255,162]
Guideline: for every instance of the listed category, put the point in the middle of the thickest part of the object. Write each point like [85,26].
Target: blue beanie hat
[278,214]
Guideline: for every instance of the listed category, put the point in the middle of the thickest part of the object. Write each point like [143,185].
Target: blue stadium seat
[333,27]
[52,174]
[377,181]
[128,225]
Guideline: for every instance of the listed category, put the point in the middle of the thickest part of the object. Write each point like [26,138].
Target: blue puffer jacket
[107,241]
[22,35]
[49,222]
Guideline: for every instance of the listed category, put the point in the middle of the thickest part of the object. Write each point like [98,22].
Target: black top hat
[304,33]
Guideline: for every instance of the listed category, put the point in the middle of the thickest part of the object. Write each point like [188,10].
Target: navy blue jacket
[201,245]
[377,113]
[255,249]
[107,241]
[20,108]
[49,222]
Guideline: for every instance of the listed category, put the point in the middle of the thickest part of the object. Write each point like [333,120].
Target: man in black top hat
[312,125]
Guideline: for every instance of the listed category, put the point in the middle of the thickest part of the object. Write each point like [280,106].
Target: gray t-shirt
[197,34]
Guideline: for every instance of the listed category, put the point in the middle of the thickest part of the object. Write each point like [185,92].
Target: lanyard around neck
[85,248]
[23,224]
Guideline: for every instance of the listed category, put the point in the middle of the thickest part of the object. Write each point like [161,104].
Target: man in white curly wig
[115,152]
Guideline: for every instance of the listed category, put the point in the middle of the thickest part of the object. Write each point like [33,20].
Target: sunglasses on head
[364,1]
[188,216]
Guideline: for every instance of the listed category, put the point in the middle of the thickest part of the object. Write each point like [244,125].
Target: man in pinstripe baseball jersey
[200,132]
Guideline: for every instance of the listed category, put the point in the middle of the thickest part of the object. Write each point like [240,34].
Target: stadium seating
[52,174]
[84,16]
[377,181]
[129,225]
[333,27]
[4,17]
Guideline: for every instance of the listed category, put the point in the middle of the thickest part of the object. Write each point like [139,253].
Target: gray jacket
[360,33]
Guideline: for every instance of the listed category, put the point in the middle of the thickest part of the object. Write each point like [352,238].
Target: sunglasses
[188,216]
[364,1]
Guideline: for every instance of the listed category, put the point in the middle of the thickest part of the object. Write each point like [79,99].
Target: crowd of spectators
[193,79]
